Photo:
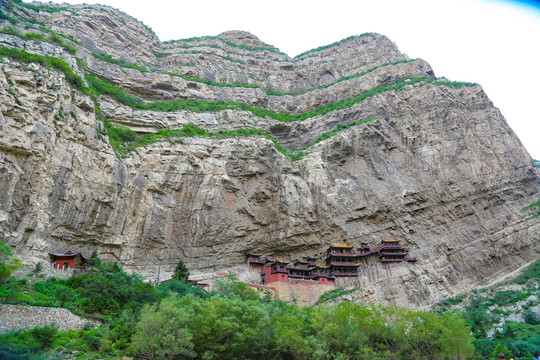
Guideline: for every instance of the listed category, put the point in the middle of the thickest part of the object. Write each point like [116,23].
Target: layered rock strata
[436,165]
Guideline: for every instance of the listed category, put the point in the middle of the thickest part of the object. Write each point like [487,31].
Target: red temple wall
[59,262]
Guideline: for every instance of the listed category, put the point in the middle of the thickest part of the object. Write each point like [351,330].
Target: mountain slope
[211,148]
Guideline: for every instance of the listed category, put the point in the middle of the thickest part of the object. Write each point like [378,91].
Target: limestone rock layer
[434,164]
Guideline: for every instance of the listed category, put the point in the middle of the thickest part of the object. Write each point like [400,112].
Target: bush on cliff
[8,262]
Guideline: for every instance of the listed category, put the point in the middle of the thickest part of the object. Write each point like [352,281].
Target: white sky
[491,42]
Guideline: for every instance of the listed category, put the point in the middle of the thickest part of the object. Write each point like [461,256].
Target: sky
[494,43]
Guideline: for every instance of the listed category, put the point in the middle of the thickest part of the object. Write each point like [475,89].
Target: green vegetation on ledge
[333,294]
[54,38]
[49,62]
[122,63]
[124,140]
[104,87]
[320,48]
[230,43]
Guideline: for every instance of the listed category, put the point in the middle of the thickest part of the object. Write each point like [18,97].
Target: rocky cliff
[210,148]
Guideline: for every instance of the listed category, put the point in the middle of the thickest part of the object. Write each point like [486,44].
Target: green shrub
[332,294]
[47,61]
[178,289]
[44,336]
[531,318]
[8,262]
[532,272]
[507,297]
[119,62]
[55,38]
[536,205]
[34,36]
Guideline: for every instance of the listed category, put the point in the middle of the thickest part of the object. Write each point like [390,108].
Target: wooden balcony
[368,253]
[347,263]
[399,260]
[337,274]
[335,253]
[383,253]
[257,261]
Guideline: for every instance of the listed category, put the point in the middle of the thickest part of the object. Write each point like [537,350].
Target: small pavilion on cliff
[342,260]
[392,251]
[66,260]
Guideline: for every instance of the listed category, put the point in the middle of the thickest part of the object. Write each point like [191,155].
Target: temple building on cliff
[67,260]
[341,261]
[392,251]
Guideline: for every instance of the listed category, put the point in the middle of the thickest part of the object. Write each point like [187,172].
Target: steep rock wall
[437,167]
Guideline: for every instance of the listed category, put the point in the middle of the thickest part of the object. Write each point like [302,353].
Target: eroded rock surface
[437,167]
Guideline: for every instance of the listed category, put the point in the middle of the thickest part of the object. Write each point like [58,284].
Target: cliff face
[434,164]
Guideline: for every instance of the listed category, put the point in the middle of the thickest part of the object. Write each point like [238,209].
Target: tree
[501,349]
[94,262]
[455,341]
[160,334]
[230,286]
[531,318]
[8,262]
[38,270]
[181,272]
[78,267]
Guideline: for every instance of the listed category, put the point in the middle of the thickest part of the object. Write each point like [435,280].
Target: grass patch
[532,272]
[122,63]
[230,43]
[278,93]
[124,140]
[54,38]
[104,87]
[335,293]
[48,61]
[320,48]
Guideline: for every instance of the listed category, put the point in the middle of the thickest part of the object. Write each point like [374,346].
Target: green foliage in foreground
[178,321]
[483,309]
[220,327]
